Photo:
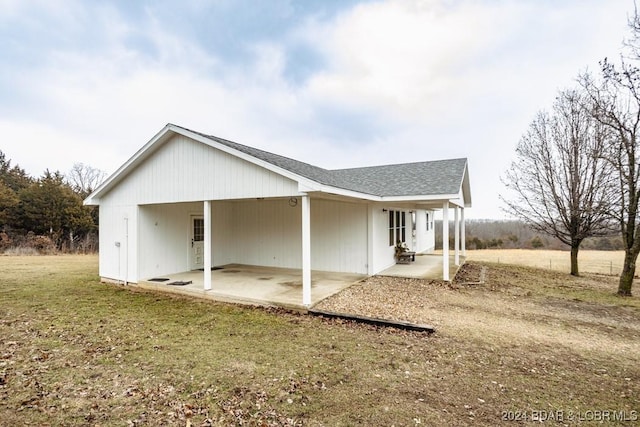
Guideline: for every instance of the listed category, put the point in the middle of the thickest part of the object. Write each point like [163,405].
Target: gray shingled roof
[407,179]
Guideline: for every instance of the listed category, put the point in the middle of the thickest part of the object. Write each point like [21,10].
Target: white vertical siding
[266,232]
[165,236]
[339,236]
[222,233]
[118,242]
[383,253]
[430,237]
[165,233]
[184,170]
[425,236]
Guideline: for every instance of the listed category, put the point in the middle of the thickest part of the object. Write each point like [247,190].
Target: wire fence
[598,262]
[598,267]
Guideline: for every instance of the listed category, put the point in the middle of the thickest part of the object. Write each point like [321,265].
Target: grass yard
[601,262]
[528,343]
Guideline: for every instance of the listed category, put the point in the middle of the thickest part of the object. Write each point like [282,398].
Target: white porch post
[370,239]
[445,241]
[207,245]
[456,246]
[463,242]
[306,251]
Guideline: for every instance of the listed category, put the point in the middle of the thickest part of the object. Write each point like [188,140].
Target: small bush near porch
[77,352]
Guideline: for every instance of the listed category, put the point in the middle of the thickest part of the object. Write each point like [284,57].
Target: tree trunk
[574,259]
[628,272]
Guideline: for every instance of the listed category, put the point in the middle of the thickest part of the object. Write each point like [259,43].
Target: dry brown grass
[601,262]
[77,352]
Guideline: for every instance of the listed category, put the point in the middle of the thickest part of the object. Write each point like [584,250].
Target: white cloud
[415,80]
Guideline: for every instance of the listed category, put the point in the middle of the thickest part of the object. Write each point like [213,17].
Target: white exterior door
[197,242]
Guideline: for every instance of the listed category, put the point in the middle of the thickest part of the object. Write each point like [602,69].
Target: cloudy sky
[334,83]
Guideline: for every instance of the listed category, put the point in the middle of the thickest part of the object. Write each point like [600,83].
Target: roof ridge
[249,148]
[398,164]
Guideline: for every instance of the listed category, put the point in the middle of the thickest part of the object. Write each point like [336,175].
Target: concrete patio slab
[282,287]
[255,285]
[426,266]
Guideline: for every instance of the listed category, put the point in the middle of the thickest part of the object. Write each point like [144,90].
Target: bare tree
[83,179]
[615,103]
[560,182]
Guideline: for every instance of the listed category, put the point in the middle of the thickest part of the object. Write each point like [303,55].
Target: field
[601,262]
[527,345]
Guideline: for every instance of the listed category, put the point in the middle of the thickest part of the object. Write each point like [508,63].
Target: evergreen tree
[50,207]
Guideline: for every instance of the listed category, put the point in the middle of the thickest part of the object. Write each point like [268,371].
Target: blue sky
[333,83]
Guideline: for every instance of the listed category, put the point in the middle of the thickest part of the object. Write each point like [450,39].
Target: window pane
[198,229]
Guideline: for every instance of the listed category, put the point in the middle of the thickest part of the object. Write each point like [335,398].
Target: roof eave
[420,197]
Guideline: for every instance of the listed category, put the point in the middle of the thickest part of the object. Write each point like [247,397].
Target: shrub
[42,244]
[5,241]
[537,242]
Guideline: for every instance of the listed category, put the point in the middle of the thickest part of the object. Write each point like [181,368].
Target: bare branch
[83,179]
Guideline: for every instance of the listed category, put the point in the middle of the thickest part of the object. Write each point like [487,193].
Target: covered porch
[228,232]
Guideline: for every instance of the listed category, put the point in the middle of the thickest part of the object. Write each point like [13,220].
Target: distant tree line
[516,234]
[46,214]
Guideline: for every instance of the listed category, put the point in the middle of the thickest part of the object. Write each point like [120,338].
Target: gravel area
[395,298]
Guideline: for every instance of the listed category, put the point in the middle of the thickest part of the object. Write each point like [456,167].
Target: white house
[188,201]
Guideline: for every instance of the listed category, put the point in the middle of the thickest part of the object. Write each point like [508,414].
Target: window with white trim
[198,229]
[397,227]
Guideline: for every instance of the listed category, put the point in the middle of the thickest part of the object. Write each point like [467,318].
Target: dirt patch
[470,274]
[513,305]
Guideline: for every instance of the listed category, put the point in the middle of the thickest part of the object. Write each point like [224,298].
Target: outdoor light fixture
[384,210]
